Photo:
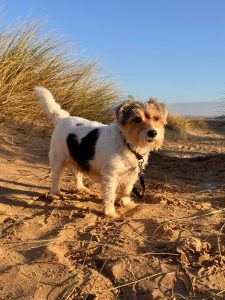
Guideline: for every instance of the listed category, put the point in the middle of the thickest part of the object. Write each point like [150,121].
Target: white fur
[114,165]
[50,107]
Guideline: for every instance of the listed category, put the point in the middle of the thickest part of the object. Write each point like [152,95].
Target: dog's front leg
[126,190]
[109,186]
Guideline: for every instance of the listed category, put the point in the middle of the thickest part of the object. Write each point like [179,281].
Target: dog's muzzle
[151,135]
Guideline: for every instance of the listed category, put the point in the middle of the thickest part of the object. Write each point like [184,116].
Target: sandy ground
[170,246]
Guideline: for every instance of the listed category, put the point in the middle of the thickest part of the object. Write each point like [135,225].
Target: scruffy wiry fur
[99,150]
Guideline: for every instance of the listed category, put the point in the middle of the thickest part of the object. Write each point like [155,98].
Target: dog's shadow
[82,196]
[73,201]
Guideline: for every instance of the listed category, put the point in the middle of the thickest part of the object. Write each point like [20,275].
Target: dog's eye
[156,119]
[137,120]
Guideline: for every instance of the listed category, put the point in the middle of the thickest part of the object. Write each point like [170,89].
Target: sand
[170,246]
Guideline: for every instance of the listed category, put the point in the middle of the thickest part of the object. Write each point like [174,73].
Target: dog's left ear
[161,107]
[164,113]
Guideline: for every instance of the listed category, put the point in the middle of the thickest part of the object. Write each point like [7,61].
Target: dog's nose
[152,133]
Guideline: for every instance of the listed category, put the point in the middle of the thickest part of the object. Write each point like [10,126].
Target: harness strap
[138,155]
[135,190]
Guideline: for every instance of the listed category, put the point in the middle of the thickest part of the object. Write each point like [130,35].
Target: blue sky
[173,50]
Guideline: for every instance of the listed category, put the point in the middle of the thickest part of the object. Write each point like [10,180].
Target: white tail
[48,104]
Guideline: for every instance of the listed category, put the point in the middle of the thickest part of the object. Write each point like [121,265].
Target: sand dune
[170,246]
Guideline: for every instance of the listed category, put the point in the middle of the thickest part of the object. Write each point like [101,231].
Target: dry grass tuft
[29,58]
[180,125]
[198,123]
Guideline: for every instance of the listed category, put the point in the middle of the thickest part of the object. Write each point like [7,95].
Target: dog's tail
[48,104]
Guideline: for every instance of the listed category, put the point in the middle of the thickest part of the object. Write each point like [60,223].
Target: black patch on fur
[127,115]
[79,124]
[129,112]
[147,116]
[85,151]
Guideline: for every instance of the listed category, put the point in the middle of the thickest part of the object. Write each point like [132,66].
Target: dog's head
[142,123]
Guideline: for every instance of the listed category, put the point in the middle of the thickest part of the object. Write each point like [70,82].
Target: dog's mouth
[150,140]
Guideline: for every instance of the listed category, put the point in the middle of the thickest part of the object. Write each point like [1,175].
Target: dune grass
[29,58]
[180,125]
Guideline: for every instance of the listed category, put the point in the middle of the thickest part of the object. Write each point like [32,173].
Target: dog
[108,153]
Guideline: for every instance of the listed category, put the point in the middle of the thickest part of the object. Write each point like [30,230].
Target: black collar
[138,155]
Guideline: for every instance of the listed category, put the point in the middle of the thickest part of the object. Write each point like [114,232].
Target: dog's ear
[161,107]
[123,110]
[164,113]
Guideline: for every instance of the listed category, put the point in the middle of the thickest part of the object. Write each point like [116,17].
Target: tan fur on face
[136,133]
[160,108]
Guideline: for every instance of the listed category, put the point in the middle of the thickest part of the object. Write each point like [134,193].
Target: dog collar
[138,155]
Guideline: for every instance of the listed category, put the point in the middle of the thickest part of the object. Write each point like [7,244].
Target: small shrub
[180,125]
[198,123]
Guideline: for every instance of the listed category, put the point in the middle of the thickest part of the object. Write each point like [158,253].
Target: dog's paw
[56,195]
[131,205]
[127,202]
[83,189]
[112,214]
[54,191]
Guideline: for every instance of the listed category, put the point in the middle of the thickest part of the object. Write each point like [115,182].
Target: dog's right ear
[121,110]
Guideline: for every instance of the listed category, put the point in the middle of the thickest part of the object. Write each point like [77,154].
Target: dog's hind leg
[79,181]
[57,167]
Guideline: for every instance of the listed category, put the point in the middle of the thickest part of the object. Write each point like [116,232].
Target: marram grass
[29,58]
[180,125]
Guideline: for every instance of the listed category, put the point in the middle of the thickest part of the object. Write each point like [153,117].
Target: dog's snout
[152,133]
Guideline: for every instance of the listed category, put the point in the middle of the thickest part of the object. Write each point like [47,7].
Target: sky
[173,50]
